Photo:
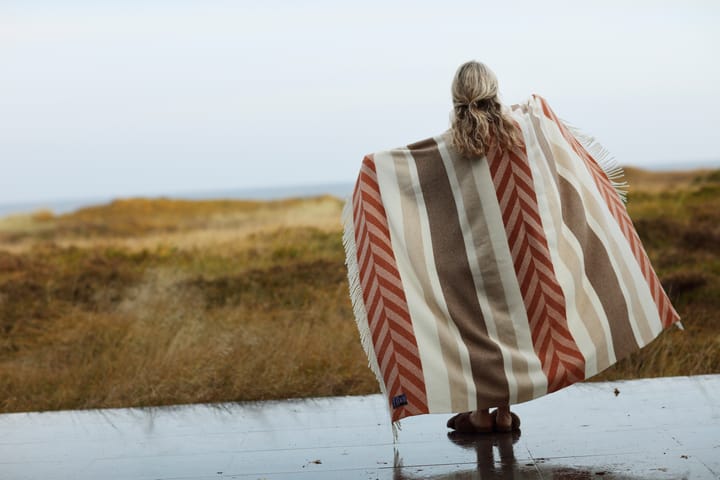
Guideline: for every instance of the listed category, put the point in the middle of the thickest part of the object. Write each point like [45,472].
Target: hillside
[158,301]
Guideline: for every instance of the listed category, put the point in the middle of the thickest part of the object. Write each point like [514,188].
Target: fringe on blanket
[612,169]
[605,159]
[356,298]
[356,295]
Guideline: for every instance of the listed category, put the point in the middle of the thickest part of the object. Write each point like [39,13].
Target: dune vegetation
[159,301]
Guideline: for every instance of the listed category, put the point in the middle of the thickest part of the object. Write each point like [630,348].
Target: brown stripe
[574,261]
[395,346]
[415,249]
[561,359]
[597,264]
[456,279]
[599,271]
[487,264]
[667,313]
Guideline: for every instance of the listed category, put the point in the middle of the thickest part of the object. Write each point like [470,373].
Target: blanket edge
[356,293]
[605,159]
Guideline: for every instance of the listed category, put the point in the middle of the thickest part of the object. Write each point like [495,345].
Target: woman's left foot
[506,421]
[472,422]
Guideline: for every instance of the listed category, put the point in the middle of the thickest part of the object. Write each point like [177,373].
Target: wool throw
[479,282]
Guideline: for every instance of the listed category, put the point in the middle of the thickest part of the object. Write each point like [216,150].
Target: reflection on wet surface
[496,460]
[666,428]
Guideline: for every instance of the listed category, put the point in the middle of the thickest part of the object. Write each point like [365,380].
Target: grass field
[158,301]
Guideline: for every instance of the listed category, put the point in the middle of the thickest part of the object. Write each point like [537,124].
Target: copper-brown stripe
[456,280]
[598,267]
[561,359]
[667,313]
[416,249]
[384,298]
[474,211]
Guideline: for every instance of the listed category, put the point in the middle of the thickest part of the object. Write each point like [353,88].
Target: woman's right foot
[482,421]
[477,421]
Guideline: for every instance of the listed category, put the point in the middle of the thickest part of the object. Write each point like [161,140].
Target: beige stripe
[518,320]
[636,292]
[643,312]
[433,366]
[632,285]
[586,318]
[602,276]
[456,280]
[429,311]
[436,286]
[599,225]
[483,264]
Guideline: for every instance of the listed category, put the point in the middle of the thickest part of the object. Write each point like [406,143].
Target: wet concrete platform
[666,428]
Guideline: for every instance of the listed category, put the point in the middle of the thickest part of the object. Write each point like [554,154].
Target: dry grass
[218,305]
[151,302]
[679,225]
[663,181]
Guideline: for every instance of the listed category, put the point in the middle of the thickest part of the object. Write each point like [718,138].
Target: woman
[477,121]
[495,263]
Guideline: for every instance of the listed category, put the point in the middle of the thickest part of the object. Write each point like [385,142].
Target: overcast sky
[148,97]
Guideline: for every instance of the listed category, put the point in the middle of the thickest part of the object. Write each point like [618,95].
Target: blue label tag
[399,400]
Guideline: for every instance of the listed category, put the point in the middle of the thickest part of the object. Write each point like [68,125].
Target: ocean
[339,189]
[59,207]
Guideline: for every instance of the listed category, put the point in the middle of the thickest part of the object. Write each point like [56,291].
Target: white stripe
[437,383]
[356,294]
[516,307]
[637,283]
[609,232]
[557,232]
[572,243]
[474,264]
[435,285]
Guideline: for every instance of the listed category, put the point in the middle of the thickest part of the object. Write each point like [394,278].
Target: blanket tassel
[356,298]
[604,158]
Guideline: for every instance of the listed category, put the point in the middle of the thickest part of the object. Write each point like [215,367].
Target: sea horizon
[337,189]
[63,206]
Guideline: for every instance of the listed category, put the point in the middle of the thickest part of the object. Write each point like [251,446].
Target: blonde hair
[477,114]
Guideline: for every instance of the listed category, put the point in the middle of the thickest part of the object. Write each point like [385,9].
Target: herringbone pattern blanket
[479,282]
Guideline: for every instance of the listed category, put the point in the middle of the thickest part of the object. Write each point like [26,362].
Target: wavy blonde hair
[477,118]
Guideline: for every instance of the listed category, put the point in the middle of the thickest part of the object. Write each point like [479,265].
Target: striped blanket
[495,280]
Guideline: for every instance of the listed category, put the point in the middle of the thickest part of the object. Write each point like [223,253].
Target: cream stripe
[649,324]
[516,307]
[644,318]
[454,333]
[642,311]
[641,307]
[413,235]
[356,296]
[566,258]
[598,324]
[435,371]
[594,313]
[474,264]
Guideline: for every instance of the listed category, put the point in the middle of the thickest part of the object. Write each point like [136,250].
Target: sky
[110,98]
